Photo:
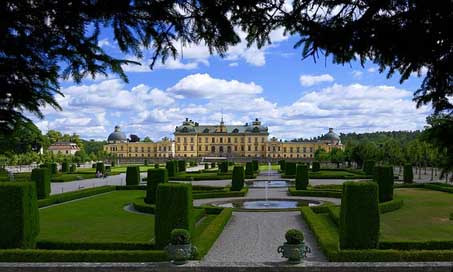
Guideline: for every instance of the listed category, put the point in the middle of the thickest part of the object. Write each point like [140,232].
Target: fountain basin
[270,183]
[267,205]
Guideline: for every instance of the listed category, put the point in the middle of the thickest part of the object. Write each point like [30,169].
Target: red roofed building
[65,148]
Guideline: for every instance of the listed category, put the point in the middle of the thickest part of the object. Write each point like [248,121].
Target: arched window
[256,129]
[213,149]
[221,149]
[206,130]
[235,130]
[184,129]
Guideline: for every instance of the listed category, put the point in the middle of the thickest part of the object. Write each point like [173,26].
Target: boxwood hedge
[41,176]
[19,215]
[282,164]
[133,175]
[173,211]
[359,216]
[100,167]
[65,167]
[383,176]
[237,182]
[181,166]
[256,165]
[368,167]
[155,177]
[290,168]
[315,166]
[171,168]
[301,177]
[408,174]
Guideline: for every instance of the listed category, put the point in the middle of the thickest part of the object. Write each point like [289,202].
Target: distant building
[64,148]
[193,140]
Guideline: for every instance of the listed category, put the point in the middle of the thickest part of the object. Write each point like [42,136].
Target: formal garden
[380,218]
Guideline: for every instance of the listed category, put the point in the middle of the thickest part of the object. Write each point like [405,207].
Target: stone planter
[179,254]
[294,252]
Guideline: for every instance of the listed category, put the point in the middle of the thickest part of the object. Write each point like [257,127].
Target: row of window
[219,139]
[148,155]
[142,149]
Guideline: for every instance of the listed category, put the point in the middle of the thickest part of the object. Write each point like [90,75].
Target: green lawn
[97,219]
[116,169]
[424,216]
[264,167]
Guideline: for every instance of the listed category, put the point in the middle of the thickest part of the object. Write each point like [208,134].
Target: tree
[321,155]
[147,140]
[134,138]
[337,156]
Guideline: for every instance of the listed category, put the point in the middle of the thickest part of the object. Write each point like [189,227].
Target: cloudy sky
[294,98]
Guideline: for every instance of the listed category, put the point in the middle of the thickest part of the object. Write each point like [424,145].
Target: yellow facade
[227,141]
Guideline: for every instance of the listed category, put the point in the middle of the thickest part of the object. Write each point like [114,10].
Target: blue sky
[294,98]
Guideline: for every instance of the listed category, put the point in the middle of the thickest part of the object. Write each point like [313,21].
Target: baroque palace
[196,141]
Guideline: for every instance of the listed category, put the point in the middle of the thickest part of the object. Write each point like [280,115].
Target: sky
[293,97]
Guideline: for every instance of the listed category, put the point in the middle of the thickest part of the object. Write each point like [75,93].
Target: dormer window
[184,129]
[206,130]
[235,130]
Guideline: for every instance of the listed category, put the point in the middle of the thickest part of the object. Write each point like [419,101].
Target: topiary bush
[65,167]
[73,168]
[206,166]
[41,177]
[249,169]
[223,167]
[173,211]
[53,168]
[132,175]
[368,167]
[93,166]
[100,167]
[154,178]
[256,165]
[290,168]
[212,164]
[408,174]
[282,164]
[179,237]
[113,163]
[383,176]
[237,182]
[316,166]
[301,177]
[359,215]
[19,215]
[145,162]
[294,237]
[171,168]
[182,166]
[156,165]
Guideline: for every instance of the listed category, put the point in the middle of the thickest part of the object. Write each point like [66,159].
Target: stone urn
[294,249]
[180,248]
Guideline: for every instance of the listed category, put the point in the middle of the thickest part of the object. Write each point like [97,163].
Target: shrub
[294,237]
[237,182]
[19,215]
[282,164]
[171,168]
[182,166]
[64,197]
[315,166]
[173,210]
[368,167]
[53,168]
[132,175]
[73,168]
[93,166]
[206,166]
[41,176]
[179,237]
[408,174]
[301,177]
[256,165]
[156,165]
[100,167]
[212,164]
[319,193]
[290,168]
[112,163]
[223,167]
[65,167]
[154,178]
[108,169]
[249,169]
[145,162]
[383,176]
[359,216]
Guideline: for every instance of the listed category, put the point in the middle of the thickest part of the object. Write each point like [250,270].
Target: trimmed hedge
[53,168]
[282,164]
[390,206]
[141,206]
[154,178]
[41,177]
[206,166]
[237,182]
[65,167]
[181,166]
[52,245]
[409,245]
[19,215]
[220,194]
[73,168]
[210,234]
[100,167]
[316,166]
[212,164]
[383,176]
[248,169]
[408,174]
[39,255]
[113,163]
[359,216]
[64,197]
[290,168]
[133,175]
[145,162]
[438,187]
[301,177]
[156,165]
[223,167]
[368,167]
[171,168]
[173,211]
[318,193]
[256,165]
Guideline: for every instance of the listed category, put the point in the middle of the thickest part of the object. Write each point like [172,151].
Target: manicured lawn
[117,169]
[97,219]
[201,176]
[424,216]
[264,167]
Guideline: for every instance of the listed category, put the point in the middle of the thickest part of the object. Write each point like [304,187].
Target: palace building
[196,141]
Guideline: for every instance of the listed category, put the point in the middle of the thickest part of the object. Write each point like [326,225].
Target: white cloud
[357,74]
[310,80]
[104,43]
[205,86]
[372,70]
[233,64]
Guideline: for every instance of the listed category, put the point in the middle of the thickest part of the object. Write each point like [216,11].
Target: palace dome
[331,137]
[117,136]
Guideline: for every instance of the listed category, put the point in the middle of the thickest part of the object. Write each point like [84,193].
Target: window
[235,148]
[149,149]
[199,140]
[242,148]
[235,130]
[213,149]
[311,150]
[298,149]
[185,148]
[256,140]
[221,139]
[121,148]
[199,148]
[256,148]
[185,140]
[191,147]
[304,149]
[136,149]
[262,139]
[229,140]
[221,149]
[206,139]
[206,130]
[206,148]
[249,148]
[191,139]
[291,149]
[213,140]
[179,148]
[143,149]
[235,140]
[130,149]
[178,139]
[284,149]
